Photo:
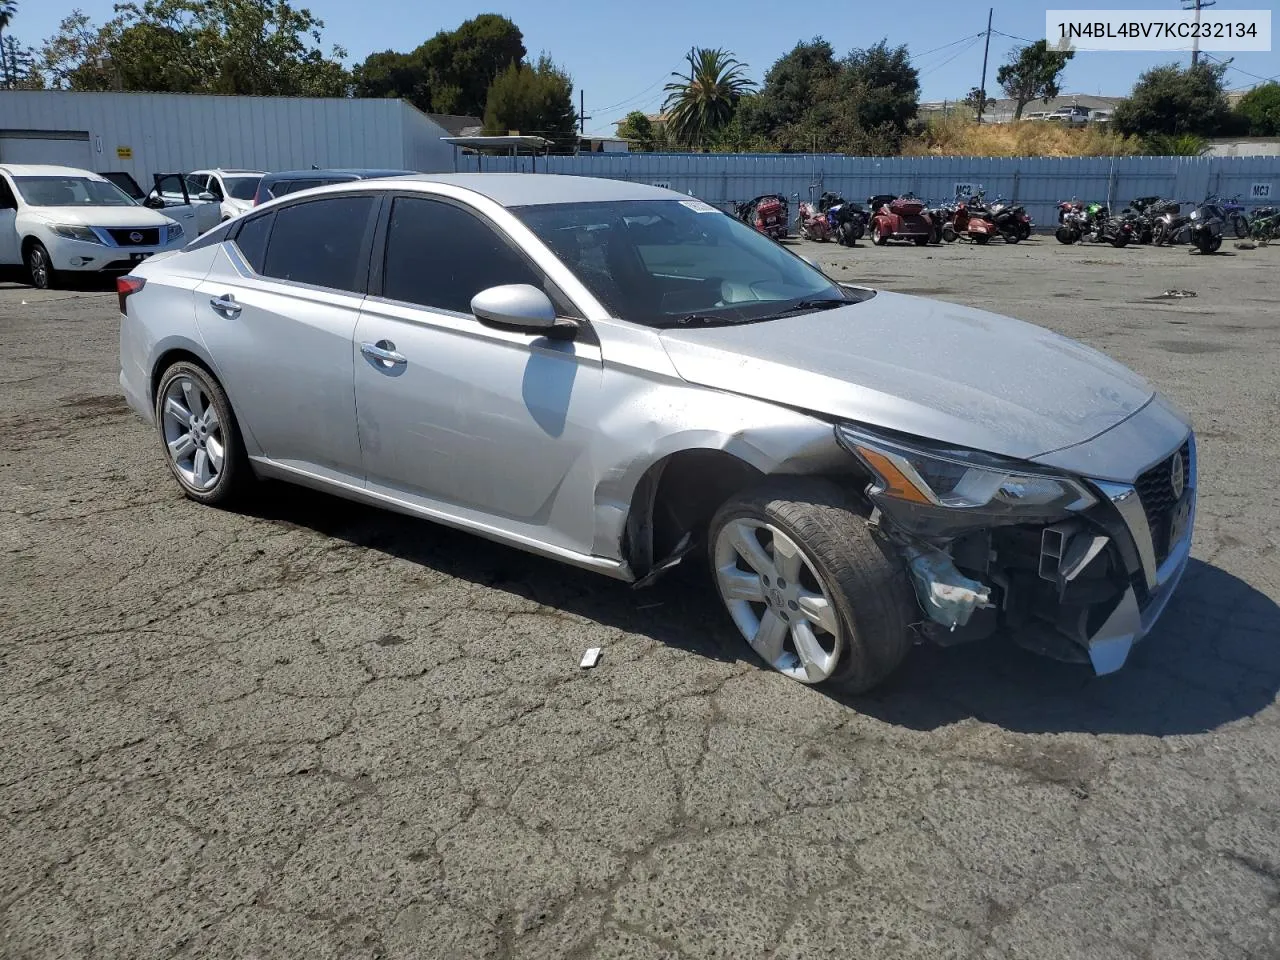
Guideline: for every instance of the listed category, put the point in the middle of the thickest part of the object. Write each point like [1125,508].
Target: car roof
[535,189]
[256,173]
[353,173]
[46,170]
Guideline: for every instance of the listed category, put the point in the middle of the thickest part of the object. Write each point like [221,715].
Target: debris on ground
[1175,295]
[1246,245]
[590,658]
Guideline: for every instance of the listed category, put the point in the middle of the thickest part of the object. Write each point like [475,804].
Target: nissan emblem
[1177,477]
[136,237]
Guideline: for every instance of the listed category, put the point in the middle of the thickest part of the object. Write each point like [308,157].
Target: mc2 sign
[1260,191]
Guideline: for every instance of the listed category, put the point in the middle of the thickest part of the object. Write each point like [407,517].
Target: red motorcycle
[899,218]
[812,223]
[970,220]
[768,214]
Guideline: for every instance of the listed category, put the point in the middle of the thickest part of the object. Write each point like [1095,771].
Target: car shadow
[675,611]
[1214,658]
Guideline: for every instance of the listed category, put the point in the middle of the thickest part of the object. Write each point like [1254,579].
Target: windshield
[241,188]
[71,192]
[678,262]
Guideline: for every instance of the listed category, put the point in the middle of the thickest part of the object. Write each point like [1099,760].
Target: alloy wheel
[38,266]
[778,600]
[193,434]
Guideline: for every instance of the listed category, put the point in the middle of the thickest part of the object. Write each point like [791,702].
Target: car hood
[923,367]
[88,216]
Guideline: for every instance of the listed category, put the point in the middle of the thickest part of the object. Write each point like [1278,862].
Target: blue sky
[621,52]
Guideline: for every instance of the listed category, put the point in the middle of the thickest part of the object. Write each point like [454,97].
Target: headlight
[971,484]
[175,231]
[73,231]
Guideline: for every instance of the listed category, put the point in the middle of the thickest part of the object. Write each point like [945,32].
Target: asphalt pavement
[314,730]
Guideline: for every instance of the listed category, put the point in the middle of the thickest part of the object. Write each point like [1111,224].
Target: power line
[1227,64]
[635,96]
[1010,36]
[945,45]
[973,42]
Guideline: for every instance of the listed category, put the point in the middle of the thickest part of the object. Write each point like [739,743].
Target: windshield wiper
[700,320]
[800,306]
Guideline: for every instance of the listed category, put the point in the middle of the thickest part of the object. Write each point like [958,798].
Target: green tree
[977,100]
[262,47]
[640,131]
[1032,73]
[886,86]
[396,75]
[536,100]
[462,63]
[703,100]
[1172,100]
[1260,109]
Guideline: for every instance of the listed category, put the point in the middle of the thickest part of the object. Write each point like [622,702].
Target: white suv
[59,219]
[232,189]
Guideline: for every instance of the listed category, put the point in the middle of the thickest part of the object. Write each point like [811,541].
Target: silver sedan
[619,377]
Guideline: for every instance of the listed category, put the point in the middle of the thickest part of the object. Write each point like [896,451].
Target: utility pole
[982,87]
[1196,5]
[582,111]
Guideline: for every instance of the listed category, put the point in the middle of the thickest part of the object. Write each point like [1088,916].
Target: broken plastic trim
[947,596]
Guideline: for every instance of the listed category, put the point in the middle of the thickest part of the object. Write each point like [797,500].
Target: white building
[149,133]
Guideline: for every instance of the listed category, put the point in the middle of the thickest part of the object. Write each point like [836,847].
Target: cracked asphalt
[317,730]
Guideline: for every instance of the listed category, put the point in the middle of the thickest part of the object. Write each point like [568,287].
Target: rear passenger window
[439,255]
[252,240]
[320,242]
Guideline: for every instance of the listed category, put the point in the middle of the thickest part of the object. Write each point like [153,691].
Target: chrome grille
[1155,490]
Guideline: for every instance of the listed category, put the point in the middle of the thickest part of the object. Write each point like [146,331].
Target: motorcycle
[1264,225]
[1233,214]
[970,220]
[767,213]
[1078,221]
[848,221]
[1011,220]
[812,223]
[1142,213]
[899,218]
[938,215]
[1203,227]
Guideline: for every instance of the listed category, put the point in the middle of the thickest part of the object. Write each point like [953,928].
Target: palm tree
[8,10]
[703,100]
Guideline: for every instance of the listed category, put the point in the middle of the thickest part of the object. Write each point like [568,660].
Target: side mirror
[515,306]
[153,201]
[206,197]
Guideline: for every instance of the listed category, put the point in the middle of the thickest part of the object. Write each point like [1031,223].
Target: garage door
[68,148]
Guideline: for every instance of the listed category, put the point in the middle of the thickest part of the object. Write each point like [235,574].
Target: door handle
[226,305]
[384,351]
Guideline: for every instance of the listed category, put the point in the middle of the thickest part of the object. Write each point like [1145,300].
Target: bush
[962,137]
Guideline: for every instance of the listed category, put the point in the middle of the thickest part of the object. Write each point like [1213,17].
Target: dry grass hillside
[961,137]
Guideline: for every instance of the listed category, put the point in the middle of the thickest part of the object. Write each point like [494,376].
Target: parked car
[194,221]
[172,194]
[60,220]
[273,185]
[619,376]
[232,190]
[1073,115]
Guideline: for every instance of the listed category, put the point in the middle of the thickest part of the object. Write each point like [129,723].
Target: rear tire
[949,233]
[1065,235]
[922,241]
[205,453]
[981,239]
[849,577]
[878,237]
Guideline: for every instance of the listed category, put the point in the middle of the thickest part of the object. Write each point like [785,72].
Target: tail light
[127,286]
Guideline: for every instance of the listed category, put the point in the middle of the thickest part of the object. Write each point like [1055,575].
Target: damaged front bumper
[1086,589]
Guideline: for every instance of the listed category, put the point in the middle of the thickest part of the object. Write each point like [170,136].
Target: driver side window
[439,255]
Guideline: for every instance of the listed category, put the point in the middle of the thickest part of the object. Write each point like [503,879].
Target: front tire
[878,236]
[812,588]
[922,241]
[200,436]
[40,272]
[981,239]
[1065,235]
[949,233]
